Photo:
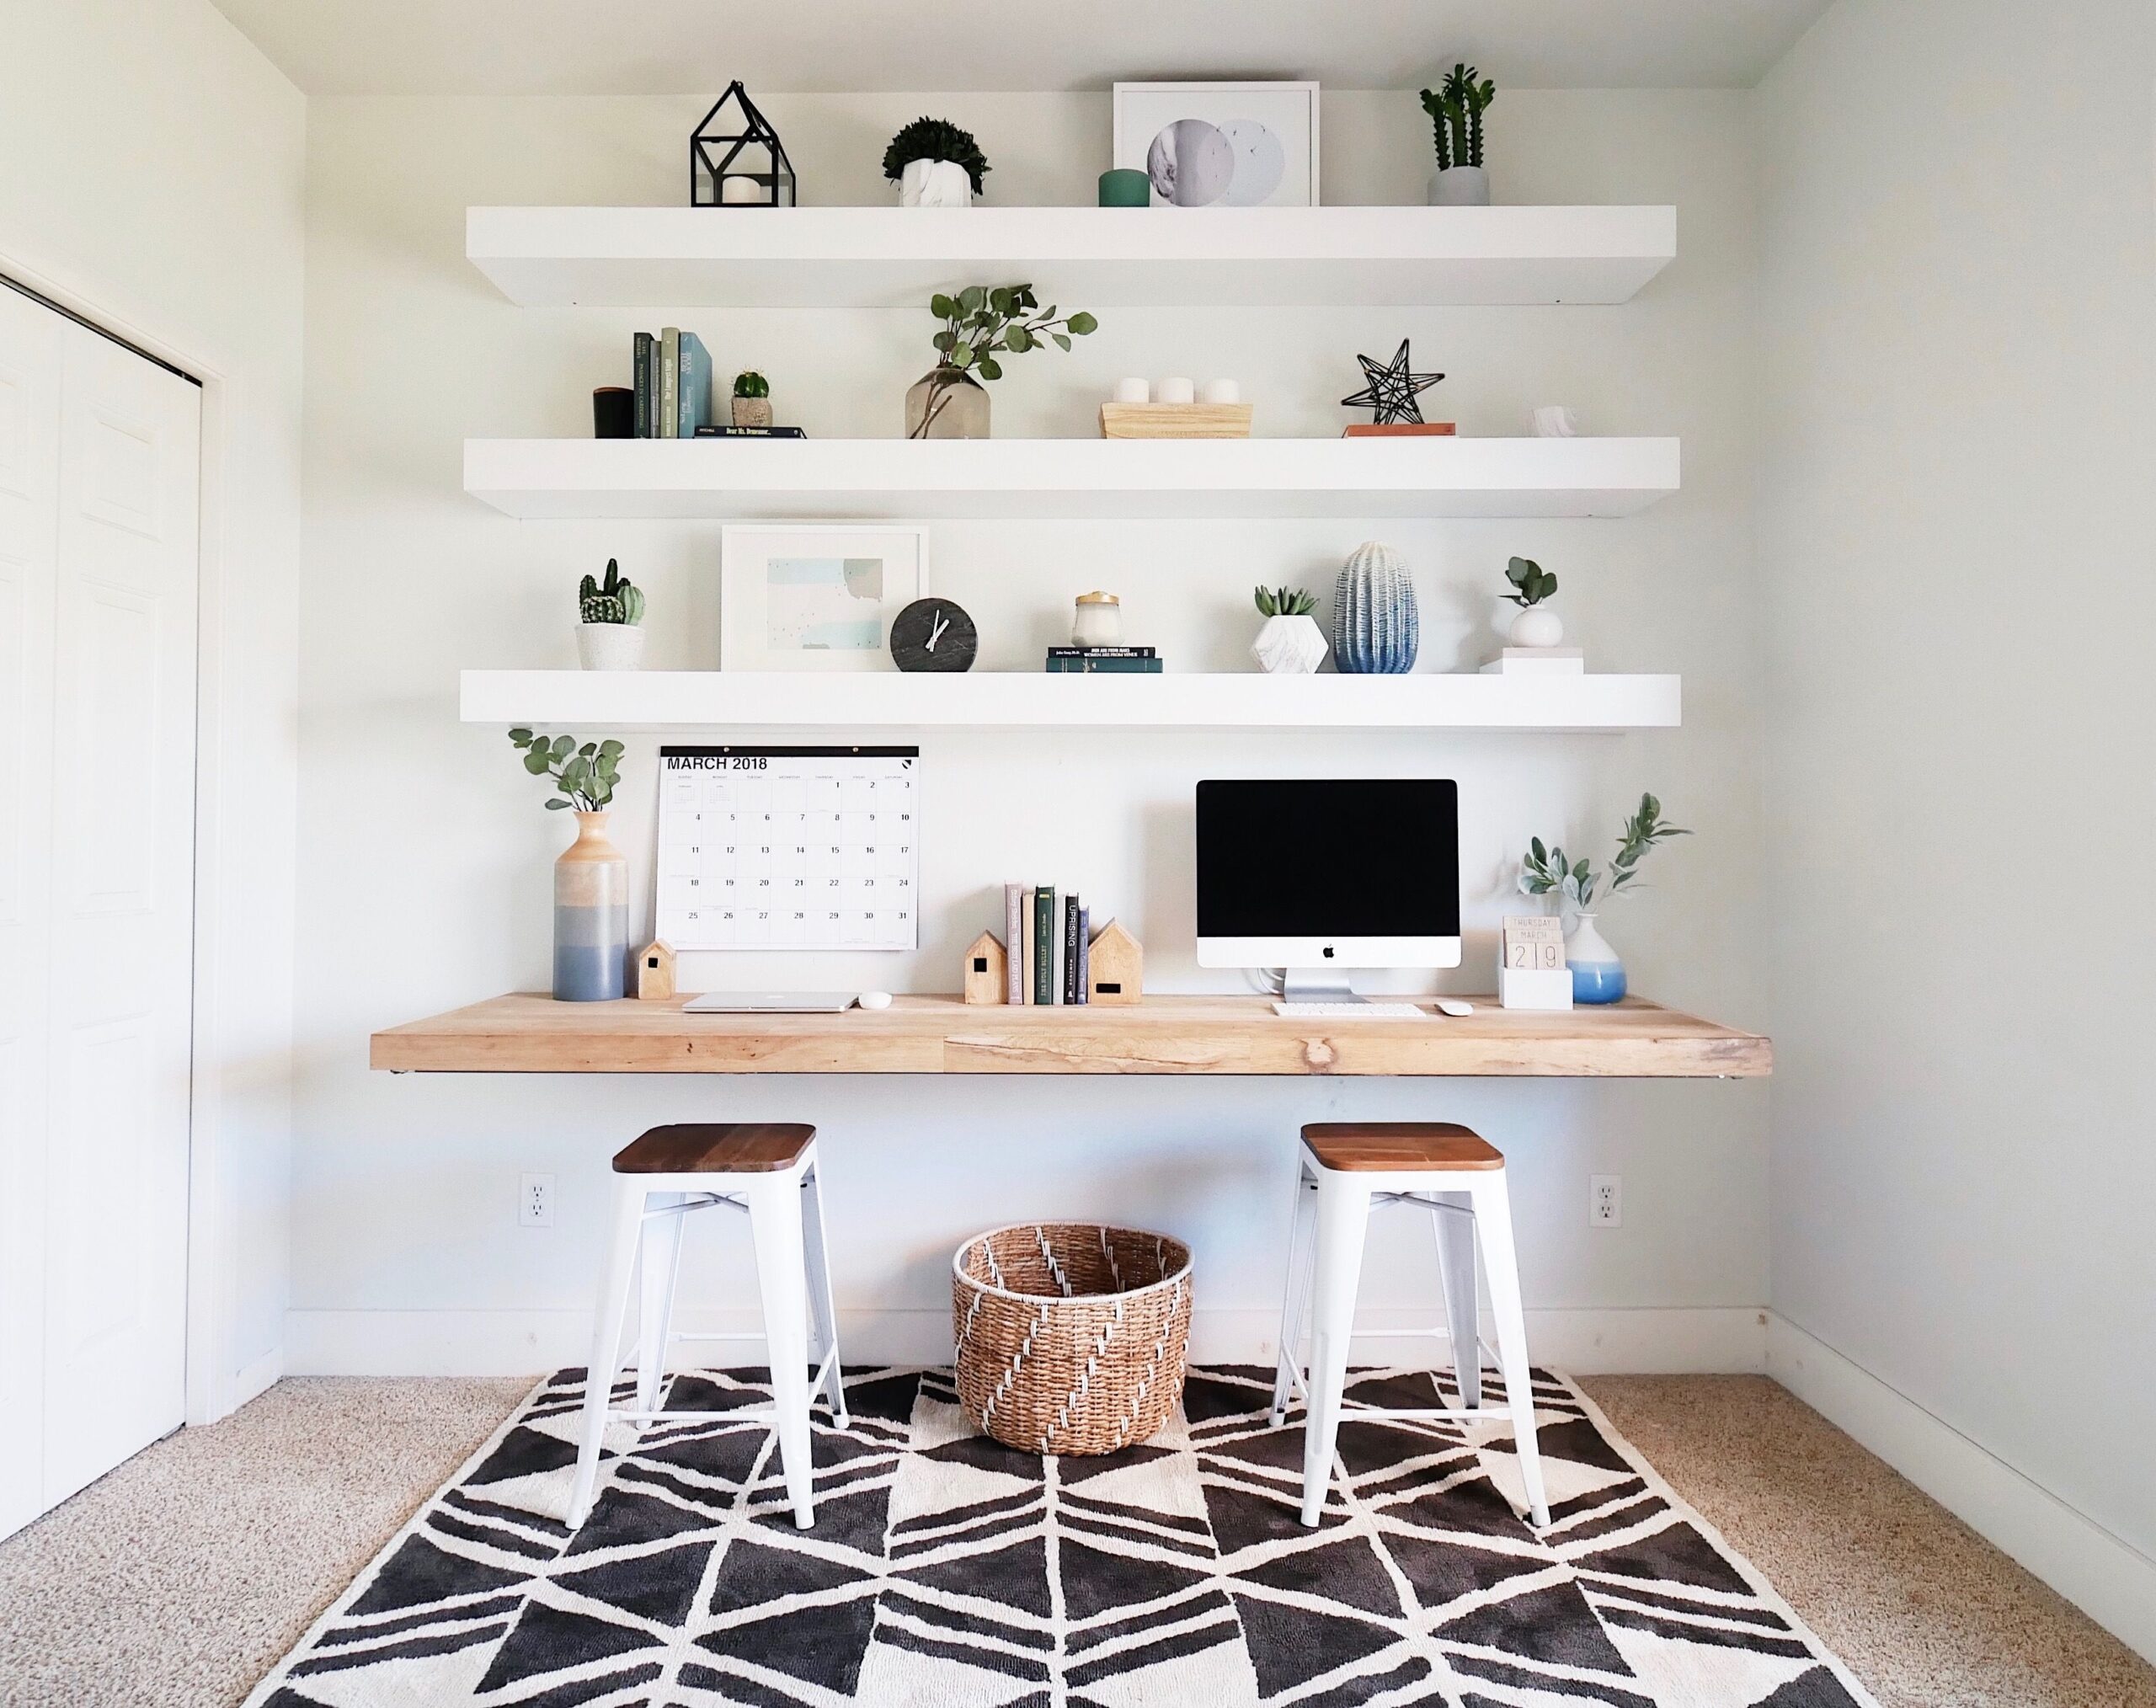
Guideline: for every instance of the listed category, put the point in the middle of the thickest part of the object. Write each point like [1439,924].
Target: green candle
[1125,187]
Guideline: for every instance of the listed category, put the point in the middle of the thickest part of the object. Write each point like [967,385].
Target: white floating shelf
[710,700]
[869,478]
[1089,257]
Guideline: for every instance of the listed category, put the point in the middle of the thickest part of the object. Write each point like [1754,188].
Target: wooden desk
[531,1033]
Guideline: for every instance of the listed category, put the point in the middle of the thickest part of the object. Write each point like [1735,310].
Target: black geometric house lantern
[736,158]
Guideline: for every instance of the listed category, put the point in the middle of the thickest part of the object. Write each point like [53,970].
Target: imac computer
[1319,878]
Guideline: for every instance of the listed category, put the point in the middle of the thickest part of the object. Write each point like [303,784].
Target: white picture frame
[795,597]
[1246,120]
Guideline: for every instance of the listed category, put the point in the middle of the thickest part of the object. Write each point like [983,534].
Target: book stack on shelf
[672,380]
[1103,661]
[1050,940]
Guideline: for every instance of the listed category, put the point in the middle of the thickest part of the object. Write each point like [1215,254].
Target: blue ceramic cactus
[1376,628]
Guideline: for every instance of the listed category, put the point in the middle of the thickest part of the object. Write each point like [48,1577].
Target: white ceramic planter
[1289,646]
[1538,625]
[934,184]
[610,646]
[1460,186]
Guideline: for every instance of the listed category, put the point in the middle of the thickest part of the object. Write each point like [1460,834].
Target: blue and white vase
[1597,975]
[591,916]
[1376,628]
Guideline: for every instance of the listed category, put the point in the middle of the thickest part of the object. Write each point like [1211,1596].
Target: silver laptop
[770,1002]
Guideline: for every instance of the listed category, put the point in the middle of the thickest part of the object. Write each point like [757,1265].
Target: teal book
[1045,938]
[694,404]
[1103,666]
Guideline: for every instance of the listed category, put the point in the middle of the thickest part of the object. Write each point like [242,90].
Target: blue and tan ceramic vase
[1376,628]
[591,916]
[1597,975]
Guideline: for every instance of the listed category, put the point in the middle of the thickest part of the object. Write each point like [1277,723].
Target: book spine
[1014,935]
[642,372]
[1070,949]
[670,382]
[1044,946]
[695,403]
[1025,952]
[1103,651]
[1084,954]
[1102,667]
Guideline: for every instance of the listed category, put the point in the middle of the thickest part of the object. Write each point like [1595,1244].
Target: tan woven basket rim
[958,1258]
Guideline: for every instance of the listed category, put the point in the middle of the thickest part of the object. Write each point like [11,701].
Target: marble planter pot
[1289,646]
[1460,186]
[610,646]
[934,184]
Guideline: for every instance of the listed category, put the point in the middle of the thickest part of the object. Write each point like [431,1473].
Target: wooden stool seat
[1385,1147]
[717,1147]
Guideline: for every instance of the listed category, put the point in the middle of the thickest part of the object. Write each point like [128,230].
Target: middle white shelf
[687,701]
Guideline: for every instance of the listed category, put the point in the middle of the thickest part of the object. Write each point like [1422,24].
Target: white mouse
[1453,1006]
[874,999]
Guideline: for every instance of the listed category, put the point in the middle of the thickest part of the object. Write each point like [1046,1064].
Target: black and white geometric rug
[945,1571]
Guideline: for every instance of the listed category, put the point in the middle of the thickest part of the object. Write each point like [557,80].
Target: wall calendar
[789,847]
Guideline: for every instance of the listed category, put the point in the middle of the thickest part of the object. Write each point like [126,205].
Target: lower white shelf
[705,700]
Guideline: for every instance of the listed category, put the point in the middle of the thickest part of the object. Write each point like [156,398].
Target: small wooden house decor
[653,979]
[736,158]
[986,969]
[1117,961]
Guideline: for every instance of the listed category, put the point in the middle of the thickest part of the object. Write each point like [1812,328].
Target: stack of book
[672,379]
[1102,661]
[1047,934]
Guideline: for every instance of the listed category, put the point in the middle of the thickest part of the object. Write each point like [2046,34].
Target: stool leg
[1344,1214]
[1456,1268]
[662,1263]
[607,1342]
[819,1292]
[775,1223]
[1493,1219]
[1295,1300]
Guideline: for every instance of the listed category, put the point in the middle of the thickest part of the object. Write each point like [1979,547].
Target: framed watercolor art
[1220,144]
[816,596]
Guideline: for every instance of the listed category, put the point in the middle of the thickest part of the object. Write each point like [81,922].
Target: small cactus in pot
[1288,642]
[752,400]
[610,614]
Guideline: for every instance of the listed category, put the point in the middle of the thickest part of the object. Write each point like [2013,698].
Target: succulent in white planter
[1536,625]
[1455,108]
[1289,642]
[935,165]
[608,632]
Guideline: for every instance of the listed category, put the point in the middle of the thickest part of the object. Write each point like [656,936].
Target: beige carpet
[177,1580]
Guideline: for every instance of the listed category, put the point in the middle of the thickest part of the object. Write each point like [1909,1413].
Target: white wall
[155,169]
[1958,503]
[424,853]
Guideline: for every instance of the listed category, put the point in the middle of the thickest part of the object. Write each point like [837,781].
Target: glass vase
[591,916]
[1597,975]
[946,403]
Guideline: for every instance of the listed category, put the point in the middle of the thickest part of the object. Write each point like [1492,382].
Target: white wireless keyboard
[1350,1010]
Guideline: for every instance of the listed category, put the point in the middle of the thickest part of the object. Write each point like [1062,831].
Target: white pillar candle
[1220,392]
[1134,391]
[741,189]
[1175,391]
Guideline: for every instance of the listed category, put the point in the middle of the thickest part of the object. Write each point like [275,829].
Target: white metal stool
[769,1171]
[1347,1169]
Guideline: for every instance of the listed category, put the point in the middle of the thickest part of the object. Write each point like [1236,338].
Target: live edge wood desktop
[535,1034]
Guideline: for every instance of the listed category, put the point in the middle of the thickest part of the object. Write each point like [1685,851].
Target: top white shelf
[1096,258]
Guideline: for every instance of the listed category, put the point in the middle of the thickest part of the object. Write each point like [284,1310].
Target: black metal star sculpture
[1392,389]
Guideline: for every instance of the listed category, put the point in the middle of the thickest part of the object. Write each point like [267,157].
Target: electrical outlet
[1605,1201]
[535,1201]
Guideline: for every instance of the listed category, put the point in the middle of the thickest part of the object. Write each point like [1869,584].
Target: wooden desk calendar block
[1531,969]
[1117,961]
[1174,420]
[985,965]
[654,972]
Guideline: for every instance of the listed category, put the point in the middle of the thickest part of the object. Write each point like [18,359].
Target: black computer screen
[1330,858]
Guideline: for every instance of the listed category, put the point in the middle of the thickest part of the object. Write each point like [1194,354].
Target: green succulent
[934,139]
[752,384]
[584,777]
[1284,602]
[617,599]
[1455,108]
[1531,583]
[1545,870]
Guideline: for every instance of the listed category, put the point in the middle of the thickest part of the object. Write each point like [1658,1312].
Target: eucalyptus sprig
[1546,869]
[1284,602]
[1531,583]
[982,323]
[585,775]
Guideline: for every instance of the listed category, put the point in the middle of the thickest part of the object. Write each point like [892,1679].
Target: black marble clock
[933,634]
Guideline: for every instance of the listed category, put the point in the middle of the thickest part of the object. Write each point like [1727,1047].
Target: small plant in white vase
[1456,107]
[609,633]
[935,165]
[1533,586]
[1597,975]
[1289,642]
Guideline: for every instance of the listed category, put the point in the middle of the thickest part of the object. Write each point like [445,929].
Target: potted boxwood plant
[752,400]
[1289,642]
[1455,108]
[935,165]
[610,614]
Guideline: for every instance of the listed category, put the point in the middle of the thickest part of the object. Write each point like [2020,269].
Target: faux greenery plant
[752,384]
[617,600]
[584,777]
[1284,602]
[1531,583]
[983,322]
[934,139]
[1455,108]
[1545,870]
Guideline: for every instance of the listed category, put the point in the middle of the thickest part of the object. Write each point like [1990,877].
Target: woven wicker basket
[1070,1335]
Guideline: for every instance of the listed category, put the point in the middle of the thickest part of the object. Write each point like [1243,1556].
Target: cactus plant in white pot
[609,632]
[1456,107]
[935,165]
[1289,642]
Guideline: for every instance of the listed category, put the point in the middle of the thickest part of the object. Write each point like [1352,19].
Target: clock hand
[935,633]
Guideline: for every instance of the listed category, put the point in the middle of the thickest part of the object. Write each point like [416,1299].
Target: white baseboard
[523,1343]
[2106,1576]
[258,1378]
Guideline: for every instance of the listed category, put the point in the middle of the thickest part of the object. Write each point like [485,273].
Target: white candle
[1175,391]
[741,189]
[1134,392]
[1220,392]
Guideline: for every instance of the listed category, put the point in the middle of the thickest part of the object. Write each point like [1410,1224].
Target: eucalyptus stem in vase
[981,324]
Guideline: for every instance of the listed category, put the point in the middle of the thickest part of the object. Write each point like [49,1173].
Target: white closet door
[30,346]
